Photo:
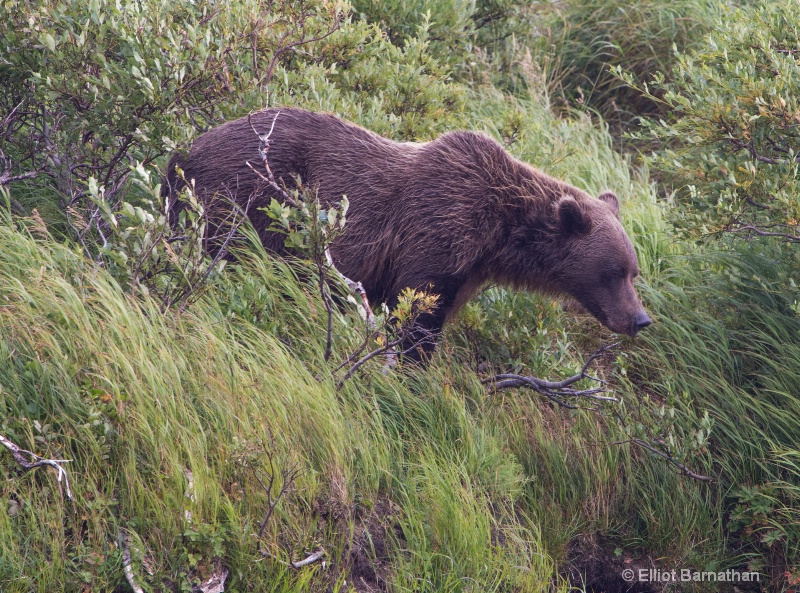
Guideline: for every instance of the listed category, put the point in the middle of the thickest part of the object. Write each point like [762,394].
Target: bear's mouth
[600,315]
[574,305]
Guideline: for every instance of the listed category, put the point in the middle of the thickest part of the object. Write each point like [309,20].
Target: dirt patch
[595,565]
[372,533]
[369,555]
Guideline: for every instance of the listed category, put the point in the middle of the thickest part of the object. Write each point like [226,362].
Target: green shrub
[95,90]
[465,35]
[728,145]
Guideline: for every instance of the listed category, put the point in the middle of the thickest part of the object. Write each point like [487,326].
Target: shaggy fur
[447,216]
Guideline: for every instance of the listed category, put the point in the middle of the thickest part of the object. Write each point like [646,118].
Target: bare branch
[404,337]
[762,233]
[263,150]
[355,354]
[126,562]
[7,177]
[288,476]
[28,460]
[367,357]
[300,563]
[355,287]
[266,473]
[328,302]
[556,391]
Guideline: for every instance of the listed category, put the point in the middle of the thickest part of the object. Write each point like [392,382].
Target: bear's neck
[531,245]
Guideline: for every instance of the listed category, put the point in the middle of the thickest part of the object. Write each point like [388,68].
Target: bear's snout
[641,321]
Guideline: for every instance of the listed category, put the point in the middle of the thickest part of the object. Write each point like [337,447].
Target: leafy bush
[461,32]
[730,140]
[94,90]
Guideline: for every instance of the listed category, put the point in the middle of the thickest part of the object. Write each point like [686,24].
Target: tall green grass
[477,486]
[135,399]
[586,38]
[726,333]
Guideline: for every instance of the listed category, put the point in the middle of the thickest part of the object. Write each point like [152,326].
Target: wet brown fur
[448,215]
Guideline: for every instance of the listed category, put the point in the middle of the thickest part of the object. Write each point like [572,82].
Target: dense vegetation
[205,426]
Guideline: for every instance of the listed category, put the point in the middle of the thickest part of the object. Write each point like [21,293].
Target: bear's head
[596,263]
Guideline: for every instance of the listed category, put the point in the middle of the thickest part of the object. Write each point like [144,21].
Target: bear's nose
[641,321]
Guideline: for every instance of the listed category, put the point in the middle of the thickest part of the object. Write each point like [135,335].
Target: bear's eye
[615,273]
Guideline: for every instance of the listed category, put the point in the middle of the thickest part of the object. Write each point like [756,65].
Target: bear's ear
[571,217]
[610,198]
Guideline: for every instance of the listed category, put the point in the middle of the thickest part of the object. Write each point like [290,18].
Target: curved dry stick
[126,562]
[33,460]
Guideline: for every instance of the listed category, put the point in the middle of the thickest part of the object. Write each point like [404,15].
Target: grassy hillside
[212,437]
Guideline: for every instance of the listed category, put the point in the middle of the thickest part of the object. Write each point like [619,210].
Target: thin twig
[28,460]
[289,476]
[353,356]
[666,455]
[328,302]
[263,150]
[389,349]
[367,357]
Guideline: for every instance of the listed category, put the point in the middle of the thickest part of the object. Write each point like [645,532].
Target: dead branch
[762,233]
[266,478]
[263,150]
[355,288]
[28,460]
[328,302]
[556,391]
[189,494]
[357,352]
[288,476]
[126,562]
[7,175]
[300,563]
[367,357]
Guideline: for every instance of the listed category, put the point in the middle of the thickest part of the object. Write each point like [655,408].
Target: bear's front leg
[423,336]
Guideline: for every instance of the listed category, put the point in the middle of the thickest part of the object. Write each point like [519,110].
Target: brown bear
[446,216]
